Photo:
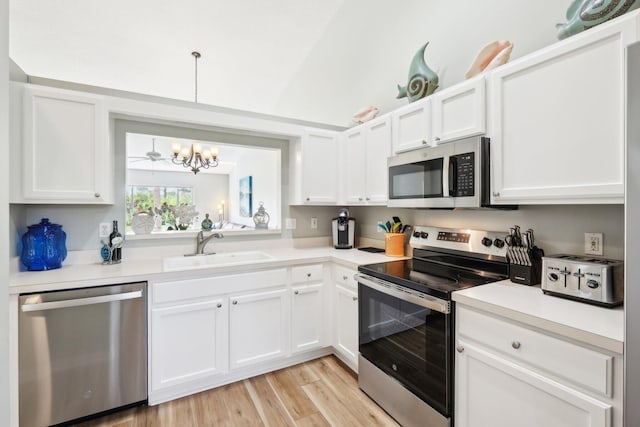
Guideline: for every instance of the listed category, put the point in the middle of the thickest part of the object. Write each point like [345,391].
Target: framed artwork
[246,196]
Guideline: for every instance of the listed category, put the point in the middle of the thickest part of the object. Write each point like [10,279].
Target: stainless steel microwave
[452,175]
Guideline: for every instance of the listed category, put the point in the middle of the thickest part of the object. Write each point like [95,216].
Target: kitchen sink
[214,260]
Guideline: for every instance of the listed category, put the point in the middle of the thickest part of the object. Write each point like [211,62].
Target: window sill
[191,234]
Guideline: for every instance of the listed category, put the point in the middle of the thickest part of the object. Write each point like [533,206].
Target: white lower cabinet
[209,331]
[494,391]
[188,342]
[307,317]
[257,327]
[512,375]
[345,306]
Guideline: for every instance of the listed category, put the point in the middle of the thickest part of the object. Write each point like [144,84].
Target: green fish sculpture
[422,80]
[585,14]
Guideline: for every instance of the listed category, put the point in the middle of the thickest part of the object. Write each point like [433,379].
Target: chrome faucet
[202,241]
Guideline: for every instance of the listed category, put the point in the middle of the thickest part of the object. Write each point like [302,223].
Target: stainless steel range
[406,320]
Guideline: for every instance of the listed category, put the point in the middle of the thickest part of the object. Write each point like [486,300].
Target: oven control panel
[473,241]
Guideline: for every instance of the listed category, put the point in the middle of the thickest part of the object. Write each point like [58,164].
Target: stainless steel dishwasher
[81,352]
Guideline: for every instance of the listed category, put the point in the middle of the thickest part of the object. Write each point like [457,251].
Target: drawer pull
[355,298]
[515,344]
[345,277]
[96,195]
[234,302]
[308,274]
[296,292]
[459,349]
[219,305]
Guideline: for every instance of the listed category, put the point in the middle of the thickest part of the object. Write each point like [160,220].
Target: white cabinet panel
[556,136]
[346,324]
[378,149]
[258,327]
[492,391]
[366,149]
[66,153]
[307,317]
[355,144]
[188,342]
[459,111]
[314,174]
[411,126]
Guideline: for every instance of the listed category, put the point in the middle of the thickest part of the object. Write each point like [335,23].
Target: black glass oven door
[420,180]
[409,342]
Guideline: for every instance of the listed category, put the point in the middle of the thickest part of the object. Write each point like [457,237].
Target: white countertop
[96,274]
[598,326]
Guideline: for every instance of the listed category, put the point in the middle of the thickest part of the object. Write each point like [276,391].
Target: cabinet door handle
[308,274]
[308,199]
[496,194]
[459,349]
[359,199]
[424,142]
[96,195]
[234,302]
[355,298]
[219,305]
[296,292]
[345,277]
[367,198]
[515,344]
[437,138]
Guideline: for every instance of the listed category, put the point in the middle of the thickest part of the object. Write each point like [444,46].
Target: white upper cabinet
[314,179]
[366,148]
[557,120]
[459,111]
[411,126]
[65,154]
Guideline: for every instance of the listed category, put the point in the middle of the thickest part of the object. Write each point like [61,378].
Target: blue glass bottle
[43,246]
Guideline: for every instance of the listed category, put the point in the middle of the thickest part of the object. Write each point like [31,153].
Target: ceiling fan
[152,155]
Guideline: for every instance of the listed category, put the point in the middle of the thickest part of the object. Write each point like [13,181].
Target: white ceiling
[250,49]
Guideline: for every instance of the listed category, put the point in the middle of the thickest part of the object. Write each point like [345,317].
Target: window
[146,199]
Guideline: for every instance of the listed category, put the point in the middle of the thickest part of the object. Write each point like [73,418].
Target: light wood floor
[321,392]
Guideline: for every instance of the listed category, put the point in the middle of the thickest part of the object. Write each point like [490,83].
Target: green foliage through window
[145,199]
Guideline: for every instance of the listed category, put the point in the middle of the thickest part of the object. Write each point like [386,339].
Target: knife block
[528,274]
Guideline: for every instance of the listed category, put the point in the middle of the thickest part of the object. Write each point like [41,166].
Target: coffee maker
[343,228]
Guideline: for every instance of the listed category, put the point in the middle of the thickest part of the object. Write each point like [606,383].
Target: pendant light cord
[196,55]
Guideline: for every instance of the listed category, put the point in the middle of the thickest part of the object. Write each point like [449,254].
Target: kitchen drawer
[344,276]
[208,286]
[587,368]
[306,273]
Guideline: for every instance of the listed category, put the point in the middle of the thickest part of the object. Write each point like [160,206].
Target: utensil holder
[394,244]
[527,274]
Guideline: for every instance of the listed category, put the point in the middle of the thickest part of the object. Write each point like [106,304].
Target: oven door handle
[405,294]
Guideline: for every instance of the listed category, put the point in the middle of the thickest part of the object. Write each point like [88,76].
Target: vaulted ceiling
[250,48]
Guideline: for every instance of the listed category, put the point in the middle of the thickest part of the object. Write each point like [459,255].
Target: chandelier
[195,157]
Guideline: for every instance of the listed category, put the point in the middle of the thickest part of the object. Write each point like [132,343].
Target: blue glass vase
[43,246]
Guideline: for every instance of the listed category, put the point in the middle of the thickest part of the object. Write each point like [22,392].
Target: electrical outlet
[290,223]
[378,229]
[593,244]
[314,223]
[103,229]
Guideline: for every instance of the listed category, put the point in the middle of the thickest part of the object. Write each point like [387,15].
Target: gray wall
[558,228]
[4,212]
